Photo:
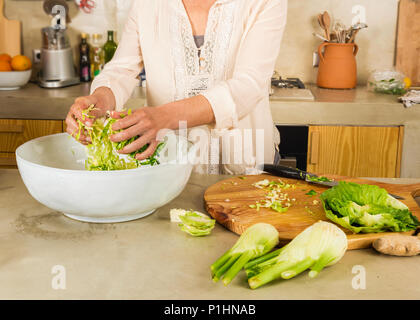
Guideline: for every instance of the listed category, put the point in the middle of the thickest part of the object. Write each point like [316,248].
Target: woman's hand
[104,101]
[146,123]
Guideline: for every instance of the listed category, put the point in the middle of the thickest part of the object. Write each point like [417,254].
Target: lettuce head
[364,208]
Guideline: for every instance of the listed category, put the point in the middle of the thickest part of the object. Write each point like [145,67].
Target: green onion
[317,179]
[311,193]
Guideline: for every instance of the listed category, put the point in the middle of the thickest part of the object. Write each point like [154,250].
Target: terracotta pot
[337,65]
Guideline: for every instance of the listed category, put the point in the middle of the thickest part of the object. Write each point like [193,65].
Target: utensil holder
[337,65]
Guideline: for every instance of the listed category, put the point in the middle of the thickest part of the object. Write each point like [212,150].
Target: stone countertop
[345,107]
[33,102]
[152,259]
[330,107]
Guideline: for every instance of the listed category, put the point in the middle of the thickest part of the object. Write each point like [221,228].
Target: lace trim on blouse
[198,69]
[196,72]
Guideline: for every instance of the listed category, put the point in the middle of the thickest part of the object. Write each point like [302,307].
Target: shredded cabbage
[102,153]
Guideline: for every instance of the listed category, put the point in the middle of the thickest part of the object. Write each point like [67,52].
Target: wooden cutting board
[10,34]
[228,202]
[408,40]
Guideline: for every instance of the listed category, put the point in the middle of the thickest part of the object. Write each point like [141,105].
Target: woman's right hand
[103,99]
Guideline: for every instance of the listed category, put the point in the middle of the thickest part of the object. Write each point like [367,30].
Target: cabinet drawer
[355,151]
[14,133]
[7,159]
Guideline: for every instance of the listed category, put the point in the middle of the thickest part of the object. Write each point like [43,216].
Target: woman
[208,63]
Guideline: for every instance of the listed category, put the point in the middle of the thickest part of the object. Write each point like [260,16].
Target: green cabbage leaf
[364,208]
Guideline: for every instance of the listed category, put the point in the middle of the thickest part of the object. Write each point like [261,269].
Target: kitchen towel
[410,98]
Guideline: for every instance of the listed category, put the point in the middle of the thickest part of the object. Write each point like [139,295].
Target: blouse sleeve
[234,98]
[120,74]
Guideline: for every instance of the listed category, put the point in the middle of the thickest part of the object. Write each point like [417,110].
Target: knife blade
[292,173]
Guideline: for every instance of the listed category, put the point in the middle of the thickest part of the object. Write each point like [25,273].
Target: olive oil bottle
[110,47]
[96,55]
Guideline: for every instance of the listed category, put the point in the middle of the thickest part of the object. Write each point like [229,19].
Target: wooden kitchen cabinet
[355,151]
[14,133]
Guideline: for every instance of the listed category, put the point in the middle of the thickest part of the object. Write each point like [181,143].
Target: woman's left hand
[146,123]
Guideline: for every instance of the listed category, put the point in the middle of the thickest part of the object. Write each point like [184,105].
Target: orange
[5,57]
[21,63]
[5,66]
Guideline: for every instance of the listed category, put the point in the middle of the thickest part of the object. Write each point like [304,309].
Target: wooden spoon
[320,21]
[321,24]
[326,19]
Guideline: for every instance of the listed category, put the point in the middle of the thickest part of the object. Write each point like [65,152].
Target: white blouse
[233,70]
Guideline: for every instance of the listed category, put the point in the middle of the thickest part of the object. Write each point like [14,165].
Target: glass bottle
[96,55]
[110,47]
[84,60]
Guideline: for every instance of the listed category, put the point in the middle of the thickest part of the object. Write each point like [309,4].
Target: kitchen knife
[287,172]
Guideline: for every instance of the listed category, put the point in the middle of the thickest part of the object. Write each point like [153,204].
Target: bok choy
[320,245]
[256,241]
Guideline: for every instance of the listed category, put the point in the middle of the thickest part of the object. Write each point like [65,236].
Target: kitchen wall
[108,15]
[377,43]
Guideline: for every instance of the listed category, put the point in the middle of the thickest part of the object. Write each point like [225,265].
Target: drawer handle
[314,156]
[8,161]
[11,128]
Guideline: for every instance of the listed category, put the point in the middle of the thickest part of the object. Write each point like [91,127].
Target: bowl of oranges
[15,72]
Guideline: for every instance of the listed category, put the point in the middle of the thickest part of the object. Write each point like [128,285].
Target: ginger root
[398,245]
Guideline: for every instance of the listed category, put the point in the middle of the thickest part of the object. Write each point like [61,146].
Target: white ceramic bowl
[13,80]
[52,169]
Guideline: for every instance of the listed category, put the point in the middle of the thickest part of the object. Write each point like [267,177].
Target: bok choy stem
[237,266]
[262,259]
[320,245]
[253,243]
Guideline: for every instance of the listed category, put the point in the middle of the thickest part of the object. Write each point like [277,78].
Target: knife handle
[285,172]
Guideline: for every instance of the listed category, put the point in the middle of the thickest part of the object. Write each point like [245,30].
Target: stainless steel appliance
[57,64]
[289,89]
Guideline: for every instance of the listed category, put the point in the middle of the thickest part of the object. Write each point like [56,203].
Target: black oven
[294,146]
